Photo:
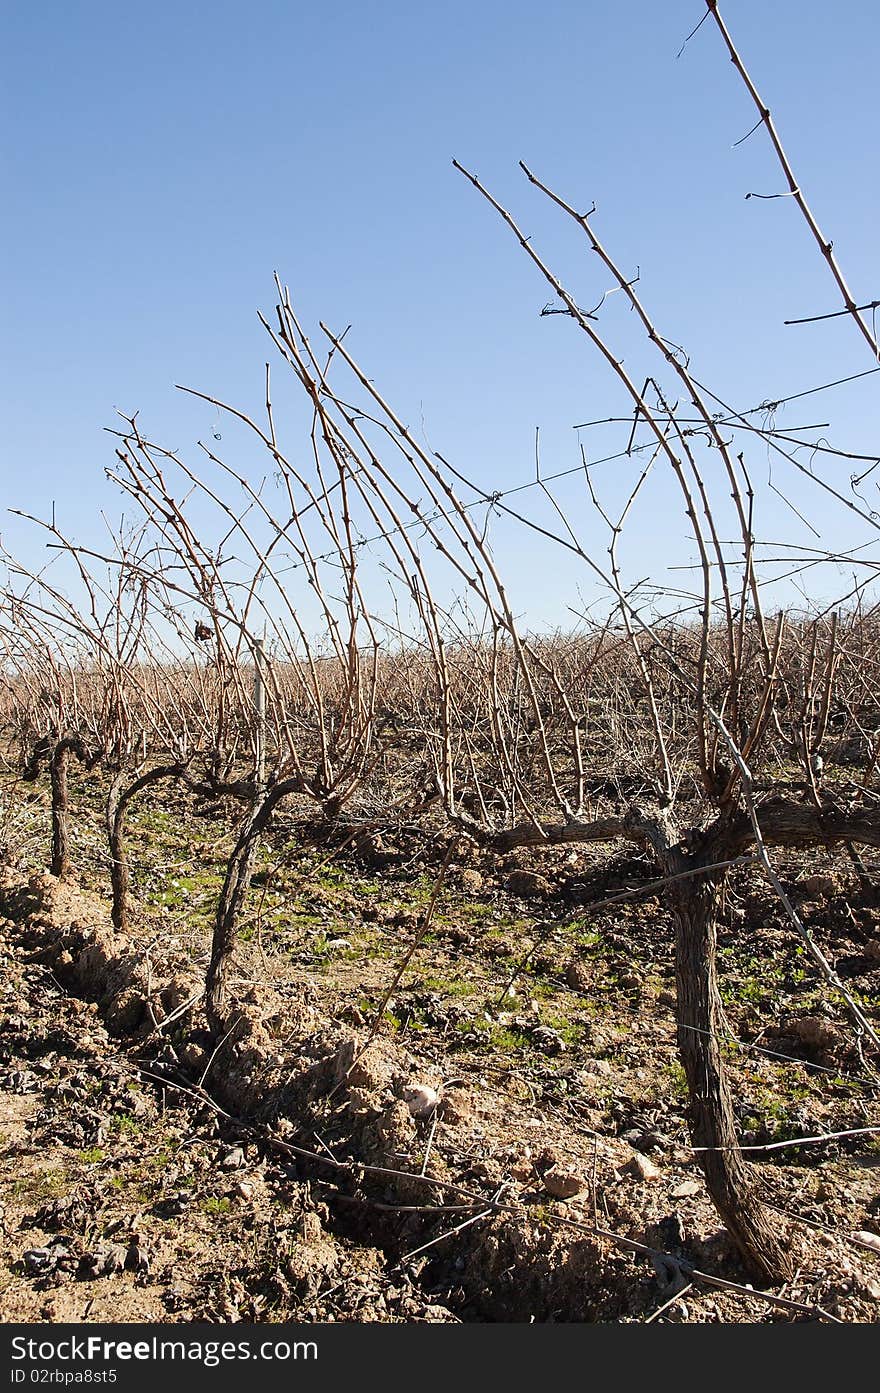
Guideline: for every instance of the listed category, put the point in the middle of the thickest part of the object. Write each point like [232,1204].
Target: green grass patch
[450,986]
[216,1204]
[92,1156]
[47,1185]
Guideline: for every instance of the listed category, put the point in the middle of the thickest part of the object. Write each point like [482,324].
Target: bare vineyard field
[150,1169]
[374,951]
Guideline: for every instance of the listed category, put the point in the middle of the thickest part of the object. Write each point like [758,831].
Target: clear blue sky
[162,160]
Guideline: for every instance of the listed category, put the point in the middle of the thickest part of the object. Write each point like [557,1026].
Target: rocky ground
[522,1093]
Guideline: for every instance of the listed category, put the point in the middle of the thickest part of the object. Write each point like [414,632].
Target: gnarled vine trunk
[693,902]
[59,766]
[119,875]
[119,796]
[236,884]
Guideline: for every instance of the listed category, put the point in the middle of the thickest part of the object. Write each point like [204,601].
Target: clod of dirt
[471,882]
[578,976]
[136,1259]
[456,1105]
[527,884]
[548,1039]
[233,1159]
[522,1268]
[602,1067]
[561,1183]
[421,1099]
[395,1131]
[686,1190]
[819,887]
[361,1100]
[643,1169]
[21,1081]
[38,1261]
[313,1260]
[814,1031]
[371,1069]
[105,1260]
[194,1058]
